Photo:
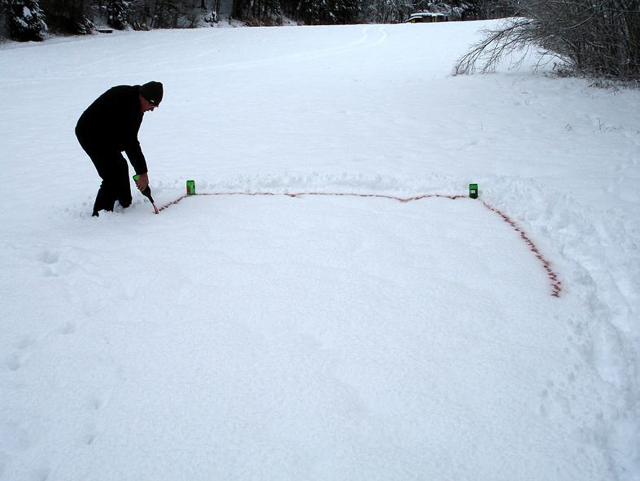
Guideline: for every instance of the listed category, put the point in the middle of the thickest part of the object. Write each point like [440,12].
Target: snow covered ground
[319,337]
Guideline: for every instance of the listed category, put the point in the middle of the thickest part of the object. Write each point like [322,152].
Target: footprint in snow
[90,434]
[67,328]
[94,403]
[13,438]
[25,343]
[41,474]
[4,462]
[14,361]
[49,257]
[50,260]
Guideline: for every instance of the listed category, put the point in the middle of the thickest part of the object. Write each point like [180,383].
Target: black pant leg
[105,199]
[114,172]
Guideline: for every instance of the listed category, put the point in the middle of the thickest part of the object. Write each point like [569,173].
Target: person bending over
[109,127]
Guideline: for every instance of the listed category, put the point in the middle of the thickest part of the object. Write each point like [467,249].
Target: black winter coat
[112,121]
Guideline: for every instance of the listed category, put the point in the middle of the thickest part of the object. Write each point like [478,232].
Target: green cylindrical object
[473,191]
[191,187]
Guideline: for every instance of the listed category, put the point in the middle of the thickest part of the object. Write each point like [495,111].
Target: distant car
[427,17]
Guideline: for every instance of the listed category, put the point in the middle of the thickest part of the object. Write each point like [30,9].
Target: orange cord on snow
[174,202]
[556,284]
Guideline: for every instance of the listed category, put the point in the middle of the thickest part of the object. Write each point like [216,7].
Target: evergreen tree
[68,16]
[118,13]
[311,12]
[387,11]
[260,12]
[139,14]
[164,13]
[26,20]
[344,11]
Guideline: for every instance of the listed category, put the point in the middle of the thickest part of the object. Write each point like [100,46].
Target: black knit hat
[152,91]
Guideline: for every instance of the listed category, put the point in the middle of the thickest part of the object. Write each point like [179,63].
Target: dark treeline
[25,20]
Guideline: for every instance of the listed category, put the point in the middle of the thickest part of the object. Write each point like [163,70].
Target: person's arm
[134,152]
[131,126]
[136,157]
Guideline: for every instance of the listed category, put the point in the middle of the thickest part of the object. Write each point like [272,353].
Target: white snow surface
[319,337]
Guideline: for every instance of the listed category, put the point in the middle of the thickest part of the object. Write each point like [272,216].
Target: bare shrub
[597,38]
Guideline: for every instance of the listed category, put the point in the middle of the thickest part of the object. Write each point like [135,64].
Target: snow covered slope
[319,337]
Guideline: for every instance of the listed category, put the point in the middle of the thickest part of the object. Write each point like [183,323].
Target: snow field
[318,338]
[338,357]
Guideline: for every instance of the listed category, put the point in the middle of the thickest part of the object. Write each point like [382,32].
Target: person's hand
[142,182]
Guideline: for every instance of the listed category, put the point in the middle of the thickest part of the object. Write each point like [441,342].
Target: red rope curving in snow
[174,202]
[556,284]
